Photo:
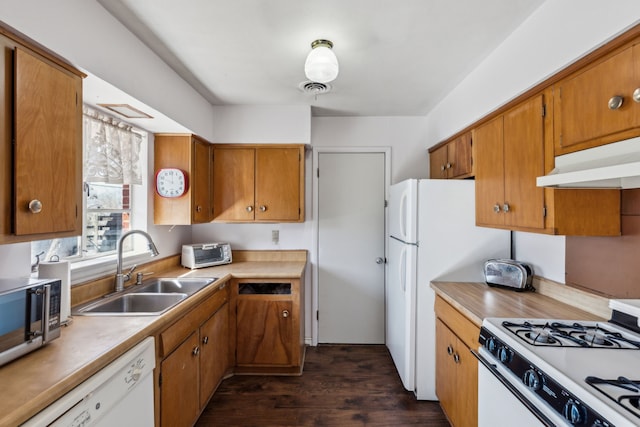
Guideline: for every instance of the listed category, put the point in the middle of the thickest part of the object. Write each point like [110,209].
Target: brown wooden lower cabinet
[194,358]
[269,326]
[456,366]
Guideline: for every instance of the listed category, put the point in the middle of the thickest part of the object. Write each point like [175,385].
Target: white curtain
[111,150]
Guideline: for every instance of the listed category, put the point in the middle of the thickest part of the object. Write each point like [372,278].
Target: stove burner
[573,335]
[616,391]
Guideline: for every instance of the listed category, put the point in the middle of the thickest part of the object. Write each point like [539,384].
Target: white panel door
[351,230]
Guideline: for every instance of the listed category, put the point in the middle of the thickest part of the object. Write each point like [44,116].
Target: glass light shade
[321,65]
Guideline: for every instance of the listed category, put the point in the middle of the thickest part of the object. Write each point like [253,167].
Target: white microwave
[206,255]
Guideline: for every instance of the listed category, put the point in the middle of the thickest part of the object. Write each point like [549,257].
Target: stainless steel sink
[138,304]
[169,285]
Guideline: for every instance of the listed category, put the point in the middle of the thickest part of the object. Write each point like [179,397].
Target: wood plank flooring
[342,385]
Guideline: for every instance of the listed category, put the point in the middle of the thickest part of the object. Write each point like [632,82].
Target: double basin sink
[151,298]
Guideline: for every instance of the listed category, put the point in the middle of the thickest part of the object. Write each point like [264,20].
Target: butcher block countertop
[551,301]
[89,343]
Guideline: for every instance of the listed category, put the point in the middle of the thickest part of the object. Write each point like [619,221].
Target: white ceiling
[397,57]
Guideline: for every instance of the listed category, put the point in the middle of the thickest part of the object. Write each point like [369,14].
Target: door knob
[285,313]
[35,206]
[263,208]
[496,208]
[249,208]
[379,260]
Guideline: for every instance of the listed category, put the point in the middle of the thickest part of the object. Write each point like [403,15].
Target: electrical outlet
[275,236]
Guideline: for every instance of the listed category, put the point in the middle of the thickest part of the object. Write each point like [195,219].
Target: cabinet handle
[443,167]
[636,95]
[205,340]
[505,207]
[456,358]
[198,208]
[449,350]
[249,208]
[496,208]
[35,206]
[449,165]
[615,102]
[263,208]
[196,351]
[285,313]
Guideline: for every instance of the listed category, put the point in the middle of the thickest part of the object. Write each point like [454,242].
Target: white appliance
[550,372]
[121,394]
[432,236]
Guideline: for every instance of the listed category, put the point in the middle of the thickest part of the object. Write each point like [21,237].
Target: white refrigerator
[432,236]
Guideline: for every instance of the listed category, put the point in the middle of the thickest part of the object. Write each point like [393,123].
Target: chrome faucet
[121,278]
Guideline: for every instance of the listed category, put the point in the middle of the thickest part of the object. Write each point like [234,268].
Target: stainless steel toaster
[508,273]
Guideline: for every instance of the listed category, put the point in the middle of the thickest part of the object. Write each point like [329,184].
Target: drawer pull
[196,351]
[615,102]
[205,340]
[449,350]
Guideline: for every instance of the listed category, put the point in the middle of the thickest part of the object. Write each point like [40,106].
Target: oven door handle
[530,406]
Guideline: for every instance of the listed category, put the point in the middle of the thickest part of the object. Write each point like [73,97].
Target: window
[112,173]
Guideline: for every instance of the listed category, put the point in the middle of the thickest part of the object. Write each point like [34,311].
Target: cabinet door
[47,127]
[214,360]
[489,164]
[446,375]
[438,163]
[179,401]
[582,116]
[459,156]
[278,184]
[523,162]
[234,182]
[466,386]
[201,176]
[264,332]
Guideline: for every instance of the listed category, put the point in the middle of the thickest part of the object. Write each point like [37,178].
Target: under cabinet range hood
[615,165]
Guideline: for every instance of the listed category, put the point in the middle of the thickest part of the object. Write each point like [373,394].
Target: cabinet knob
[449,350]
[456,358]
[195,351]
[285,313]
[496,208]
[249,208]
[636,95]
[198,208]
[35,206]
[443,167]
[449,165]
[615,102]
[263,208]
[505,207]
[205,340]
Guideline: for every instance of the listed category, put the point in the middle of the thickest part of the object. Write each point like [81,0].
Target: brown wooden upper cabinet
[41,170]
[258,183]
[192,155]
[453,159]
[511,151]
[600,103]
[509,157]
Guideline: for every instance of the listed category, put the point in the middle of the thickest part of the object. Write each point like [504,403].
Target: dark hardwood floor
[342,385]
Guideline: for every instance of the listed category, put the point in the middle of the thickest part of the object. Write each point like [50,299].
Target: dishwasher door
[121,394]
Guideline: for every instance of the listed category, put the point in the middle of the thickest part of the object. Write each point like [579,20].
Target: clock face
[171,182]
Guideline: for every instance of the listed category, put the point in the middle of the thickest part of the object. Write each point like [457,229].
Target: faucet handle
[127,276]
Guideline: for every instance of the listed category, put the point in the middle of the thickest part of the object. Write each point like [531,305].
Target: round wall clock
[171,182]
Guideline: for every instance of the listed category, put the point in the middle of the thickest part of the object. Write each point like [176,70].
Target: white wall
[555,35]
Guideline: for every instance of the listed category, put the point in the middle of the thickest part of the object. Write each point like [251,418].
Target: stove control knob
[575,413]
[491,345]
[532,380]
[505,355]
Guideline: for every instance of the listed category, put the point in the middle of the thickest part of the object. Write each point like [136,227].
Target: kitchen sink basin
[186,285]
[138,304]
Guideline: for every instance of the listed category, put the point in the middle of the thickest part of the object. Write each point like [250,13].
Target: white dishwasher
[121,394]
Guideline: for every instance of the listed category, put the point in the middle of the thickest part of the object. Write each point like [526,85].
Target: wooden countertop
[89,343]
[477,301]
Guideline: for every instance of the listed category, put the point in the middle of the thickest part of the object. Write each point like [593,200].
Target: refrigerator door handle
[403,268]
[403,215]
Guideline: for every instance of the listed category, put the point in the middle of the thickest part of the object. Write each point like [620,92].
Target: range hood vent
[614,165]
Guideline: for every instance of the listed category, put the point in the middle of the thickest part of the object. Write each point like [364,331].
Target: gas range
[570,372]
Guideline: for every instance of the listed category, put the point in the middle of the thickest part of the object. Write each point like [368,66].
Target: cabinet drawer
[176,333]
[464,328]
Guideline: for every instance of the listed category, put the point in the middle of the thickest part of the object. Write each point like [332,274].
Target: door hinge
[318,172]
[386,203]
[544,110]
[160,380]
[318,315]
[544,212]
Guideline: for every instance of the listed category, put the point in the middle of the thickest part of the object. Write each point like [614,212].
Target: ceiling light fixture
[321,65]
